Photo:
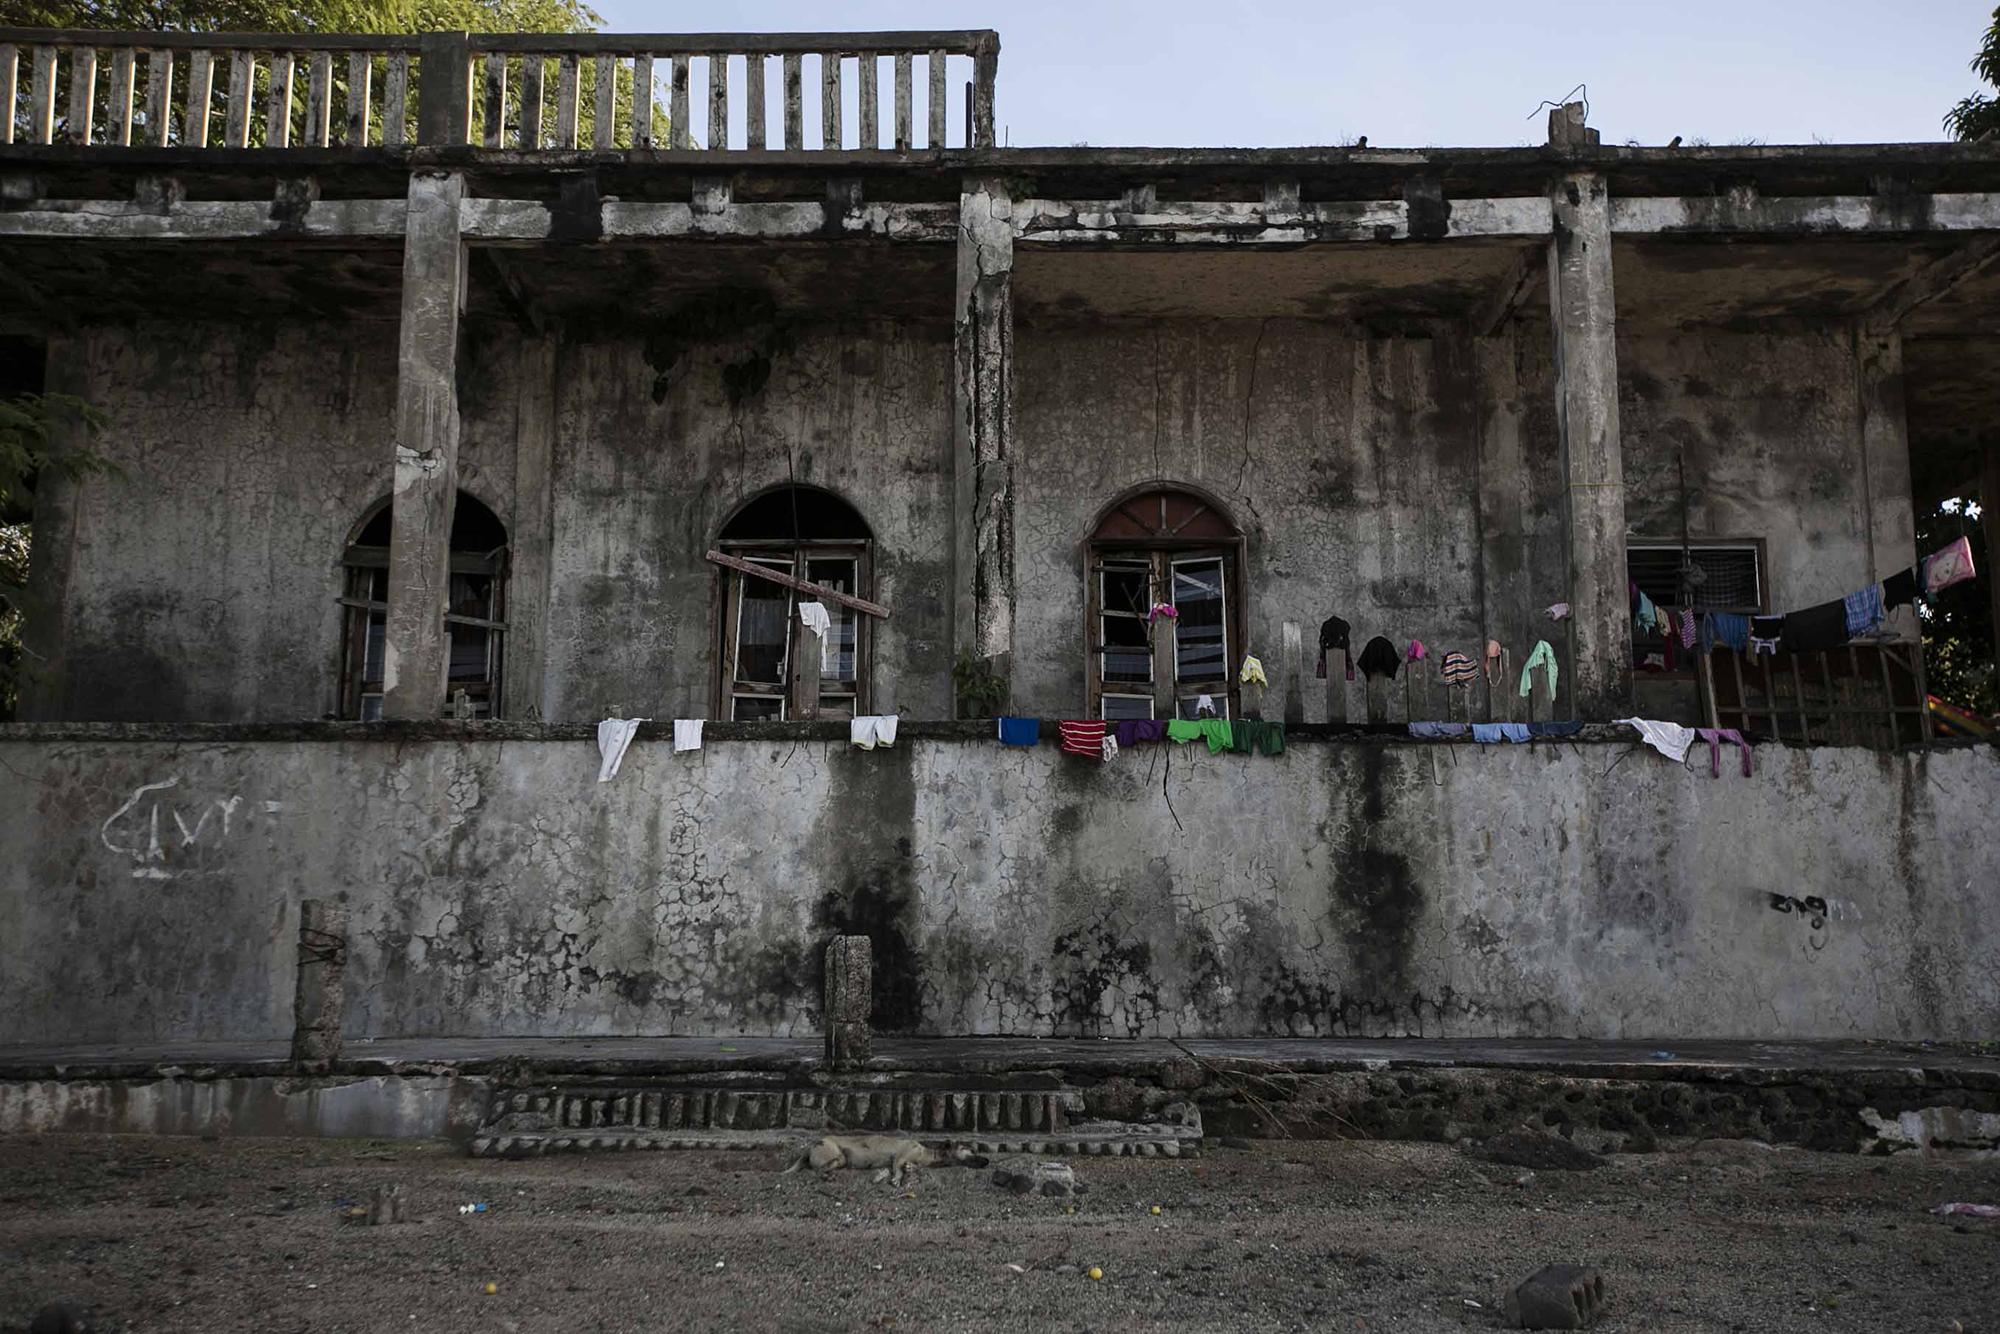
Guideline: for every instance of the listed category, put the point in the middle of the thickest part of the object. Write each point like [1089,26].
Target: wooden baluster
[534,71]
[119,97]
[604,111]
[159,96]
[755,133]
[829,99]
[10,87]
[242,77]
[278,106]
[200,100]
[642,100]
[82,93]
[396,100]
[42,98]
[319,100]
[680,133]
[795,116]
[1336,685]
[935,63]
[360,91]
[985,73]
[493,101]
[718,102]
[903,102]
[871,103]
[566,100]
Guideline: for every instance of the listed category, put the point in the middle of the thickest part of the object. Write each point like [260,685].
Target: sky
[1442,73]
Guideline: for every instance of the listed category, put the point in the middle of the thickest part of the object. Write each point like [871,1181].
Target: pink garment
[1715,736]
[1416,649]
[1952,565]
[1687,627]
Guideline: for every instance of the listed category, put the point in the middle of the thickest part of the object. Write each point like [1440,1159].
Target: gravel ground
[176,1234]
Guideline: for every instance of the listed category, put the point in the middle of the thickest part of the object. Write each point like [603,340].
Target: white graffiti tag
[140,836]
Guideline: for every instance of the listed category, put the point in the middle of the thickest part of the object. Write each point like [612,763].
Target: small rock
[1556,1297]
[1532,1148]
[1035,1176]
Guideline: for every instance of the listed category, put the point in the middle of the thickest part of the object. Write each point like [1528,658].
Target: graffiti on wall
[164,831]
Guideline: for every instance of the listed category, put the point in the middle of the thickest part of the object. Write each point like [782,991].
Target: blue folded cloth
[1863,609]
[1554,729]
[1020,731]
[1437,731]
[1725,627]
[1491,732]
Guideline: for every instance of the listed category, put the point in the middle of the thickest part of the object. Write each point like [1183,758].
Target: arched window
[804,533]
[475,613]
[1174,548]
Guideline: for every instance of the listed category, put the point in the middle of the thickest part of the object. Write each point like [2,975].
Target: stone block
[848,998]
[1557,1297]
[1035,1176]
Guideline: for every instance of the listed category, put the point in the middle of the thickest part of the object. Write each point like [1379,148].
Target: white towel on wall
[613,736]
[1670,739]
[687,734]
[869,731]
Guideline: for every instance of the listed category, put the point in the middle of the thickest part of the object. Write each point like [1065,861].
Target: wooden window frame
[1162,555]
[1754,545]
[795,558]
[359,606]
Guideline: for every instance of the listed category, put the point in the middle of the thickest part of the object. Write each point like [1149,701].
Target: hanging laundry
[1085,738]
[1488,733]
[1495,662]
[816,618]
[1899,589]
[1252,673]
[1554,729]
[1559,612]
[1417,650]
[1438,731]
[871,731]
[613,736]
[1134,731]
[1163,611]
[1724,627]
[1254,736]
[1765,633]
[1456,669]
[1020,731]
[1942,569]
[1647,616]
[1670,739]
[1378,658]
[1219,733]
[1863,610]
[1715,736]
[1687,627]
[1110,748]
[687,735]
[1182,731]
[1543,655]
[1333,633]
[1821,627]
[1204,706]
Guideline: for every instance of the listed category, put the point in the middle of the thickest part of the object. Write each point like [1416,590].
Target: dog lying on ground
[892,1156]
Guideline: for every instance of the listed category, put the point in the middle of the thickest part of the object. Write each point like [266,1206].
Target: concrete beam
[983,427]
[1111,221]
[426,477]
[1582,308]
[1746,212]
[503,220]
[206,220]
[1894,304]
[1512,292]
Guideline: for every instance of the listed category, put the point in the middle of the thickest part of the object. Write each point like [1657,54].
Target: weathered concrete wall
[199,582]
[642,488]
[149,889]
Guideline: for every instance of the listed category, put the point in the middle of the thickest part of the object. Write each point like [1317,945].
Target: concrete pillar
[524,691]
[426,480]
[1506,500]
[1885,461]
[850,969]
[1989,519]
[983,428]
[60,519]
[1593,469]
[321,999]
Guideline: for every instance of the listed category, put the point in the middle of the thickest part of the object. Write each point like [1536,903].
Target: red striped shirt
[1083,738]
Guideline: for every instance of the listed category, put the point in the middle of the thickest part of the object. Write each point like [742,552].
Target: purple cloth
[1132,731]
[1715,736]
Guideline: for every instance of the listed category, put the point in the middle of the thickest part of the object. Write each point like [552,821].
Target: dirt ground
[175,1234]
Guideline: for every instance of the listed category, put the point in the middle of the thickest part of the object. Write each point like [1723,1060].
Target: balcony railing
[517,91]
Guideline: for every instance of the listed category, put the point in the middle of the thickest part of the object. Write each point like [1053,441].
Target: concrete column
[1506,500]
[1593,469]
[524,692]
[426,482]
[45,694]
[321,999]
[850,973]
[1885,461]
[983,428]
[1989,519]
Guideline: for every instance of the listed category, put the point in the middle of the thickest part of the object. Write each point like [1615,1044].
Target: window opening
[809,534]
[1162,547]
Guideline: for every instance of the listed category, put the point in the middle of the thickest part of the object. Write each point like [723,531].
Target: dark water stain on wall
[1376,900]
[868,829]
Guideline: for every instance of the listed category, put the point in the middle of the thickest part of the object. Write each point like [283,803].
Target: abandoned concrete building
[461,400]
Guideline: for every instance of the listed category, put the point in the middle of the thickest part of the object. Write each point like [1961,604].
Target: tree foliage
[39,438]
[1958,623]
[305,16]
[1978,115]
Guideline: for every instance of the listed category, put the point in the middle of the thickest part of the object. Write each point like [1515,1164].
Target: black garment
[1821,627]
[1767,627]
[1899,589]
[1333,633]
[1379,658]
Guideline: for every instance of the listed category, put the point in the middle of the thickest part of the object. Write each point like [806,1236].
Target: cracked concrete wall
[643,487]
[150,889]
[199,583]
